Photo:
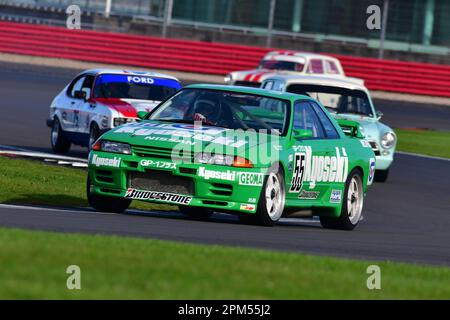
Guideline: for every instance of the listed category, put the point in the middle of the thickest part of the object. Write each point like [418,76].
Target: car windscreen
[336,99]
[281,65]
[225,109]
[134,87]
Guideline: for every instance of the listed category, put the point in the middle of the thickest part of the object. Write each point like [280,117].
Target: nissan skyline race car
[100,99]
[217,148]
[346,99]
[290,63]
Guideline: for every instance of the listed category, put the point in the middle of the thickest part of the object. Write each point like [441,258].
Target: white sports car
[345,99]
[99,99]
[288,63]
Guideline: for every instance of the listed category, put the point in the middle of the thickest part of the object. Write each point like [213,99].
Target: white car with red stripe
[287,62]
[100,99]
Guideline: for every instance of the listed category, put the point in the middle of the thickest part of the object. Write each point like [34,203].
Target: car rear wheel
[196,212]
[105,203]
[94,134]
[271,201]
[352,205]
[60,143]
[381,175]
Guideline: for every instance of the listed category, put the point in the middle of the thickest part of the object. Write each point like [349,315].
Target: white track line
[14,206]
[421,155]
[38,208]
[42,155]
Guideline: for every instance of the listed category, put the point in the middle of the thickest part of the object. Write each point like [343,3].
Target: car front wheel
[352,205]
[94,134]
[59,142]
[272,199]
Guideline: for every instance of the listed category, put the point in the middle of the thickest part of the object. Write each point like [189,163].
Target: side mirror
[379,114]
[80,94]
[299,134]
[142,114]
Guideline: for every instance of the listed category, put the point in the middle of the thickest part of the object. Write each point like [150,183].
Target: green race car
[246,151]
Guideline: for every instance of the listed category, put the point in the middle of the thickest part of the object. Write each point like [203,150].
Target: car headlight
[388,140]
[120,121]
[222,160]
[111,146]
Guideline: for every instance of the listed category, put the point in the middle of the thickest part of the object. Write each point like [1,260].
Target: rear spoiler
[350,128]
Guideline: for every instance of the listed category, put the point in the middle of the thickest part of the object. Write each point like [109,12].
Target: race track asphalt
[406,219]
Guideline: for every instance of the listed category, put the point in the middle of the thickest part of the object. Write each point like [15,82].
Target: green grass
[34,266]
[34,182]
[433,143]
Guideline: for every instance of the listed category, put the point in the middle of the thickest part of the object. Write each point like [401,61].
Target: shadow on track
[34,202]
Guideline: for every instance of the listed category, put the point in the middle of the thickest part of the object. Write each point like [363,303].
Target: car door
[335,151]
[309,157]
[86,107]
[70,111]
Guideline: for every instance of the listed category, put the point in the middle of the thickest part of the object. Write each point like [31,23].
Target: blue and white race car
[345,99]
[100,99]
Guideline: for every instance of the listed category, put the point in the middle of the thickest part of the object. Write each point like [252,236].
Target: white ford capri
[98,100]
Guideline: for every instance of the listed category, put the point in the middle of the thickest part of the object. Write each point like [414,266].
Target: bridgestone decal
[157,196]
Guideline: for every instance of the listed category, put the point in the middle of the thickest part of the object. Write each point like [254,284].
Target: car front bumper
[385,159]
[221,188]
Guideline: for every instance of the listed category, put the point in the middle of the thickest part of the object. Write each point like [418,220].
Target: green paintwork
[153,141]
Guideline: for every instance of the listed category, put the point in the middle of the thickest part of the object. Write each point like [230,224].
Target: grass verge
[34,266]
[432,143]
[33,182]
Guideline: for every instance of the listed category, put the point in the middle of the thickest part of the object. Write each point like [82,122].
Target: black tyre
[196,213]
[60,143]
[94,134]
[352,204]
[271,201]
[381,175]
[105,203]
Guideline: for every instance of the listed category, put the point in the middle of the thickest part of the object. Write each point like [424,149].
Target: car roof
[347,83]
[250,90]
[306,55]
[129,72]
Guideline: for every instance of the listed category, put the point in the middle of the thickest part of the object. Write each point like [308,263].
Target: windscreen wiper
[176,120]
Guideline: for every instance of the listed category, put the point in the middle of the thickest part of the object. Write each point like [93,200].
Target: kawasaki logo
[107,162]
[221,175]
[312,169]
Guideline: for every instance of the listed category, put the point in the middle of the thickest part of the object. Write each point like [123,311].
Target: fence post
[428,23]
[107,8]
[167,16]
[383,28]
[273,4]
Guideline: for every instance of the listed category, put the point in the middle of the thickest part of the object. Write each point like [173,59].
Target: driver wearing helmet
[116,90]
[207,110]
